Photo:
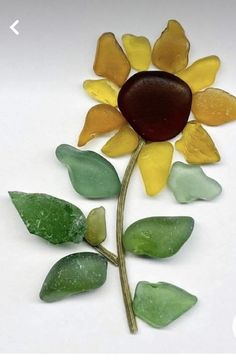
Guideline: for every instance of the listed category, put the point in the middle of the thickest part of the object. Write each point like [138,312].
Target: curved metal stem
[119,235]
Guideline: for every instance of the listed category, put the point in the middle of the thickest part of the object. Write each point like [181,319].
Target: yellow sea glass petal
[154,162]
[110,60]
[138,50]
[102,90]
[170,52]
[214,106]
[123,142]
[100,119]
[197,145]
[201,73]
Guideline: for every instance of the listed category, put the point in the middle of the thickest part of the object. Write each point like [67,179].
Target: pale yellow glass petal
[125,141]
[201,73]
[197,145]
[154,162]
[102,90]
[138,50]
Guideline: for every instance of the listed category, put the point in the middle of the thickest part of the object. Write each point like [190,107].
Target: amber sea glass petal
[156,104]
[197,145]
[110,60]
[214,107]
[201,73]
[100,119]
[138,50]
[170,52]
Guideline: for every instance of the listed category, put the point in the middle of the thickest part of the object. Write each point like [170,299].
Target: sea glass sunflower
[149,109]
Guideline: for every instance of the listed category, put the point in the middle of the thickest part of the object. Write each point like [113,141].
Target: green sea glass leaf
[73,274]
[189,183]
[157,237]
[51,218]
[91,175]
[96,226]
[160,303]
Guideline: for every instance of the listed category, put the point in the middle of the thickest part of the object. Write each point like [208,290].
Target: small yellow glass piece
[110,60]
[154,162]
[170,51]
[214,106]
[102,90]
[100,119]
[201,73]
[138,50]
[125,141]
[197,145]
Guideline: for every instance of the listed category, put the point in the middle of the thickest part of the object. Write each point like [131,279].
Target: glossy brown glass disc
[156,104]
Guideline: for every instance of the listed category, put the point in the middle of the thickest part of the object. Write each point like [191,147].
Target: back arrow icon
[12,27]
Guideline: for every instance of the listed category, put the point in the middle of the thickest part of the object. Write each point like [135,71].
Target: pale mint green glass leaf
[73,274]
[91,175]
[157,237]
[49,217]
[189,183]
[160,303]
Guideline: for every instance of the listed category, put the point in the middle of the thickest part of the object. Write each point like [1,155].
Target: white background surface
[43,105]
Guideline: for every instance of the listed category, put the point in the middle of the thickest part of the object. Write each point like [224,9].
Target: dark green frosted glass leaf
[158,237]
[51,218]
[91,175]
[73,274]
[160,303]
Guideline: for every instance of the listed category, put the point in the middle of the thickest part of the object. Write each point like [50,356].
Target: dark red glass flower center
[156,104]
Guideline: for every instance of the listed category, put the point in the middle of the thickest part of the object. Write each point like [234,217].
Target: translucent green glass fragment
[73,274]
[160,303]
[49,217]
[91,175]
[158,237]
[96,226]
[189,183]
